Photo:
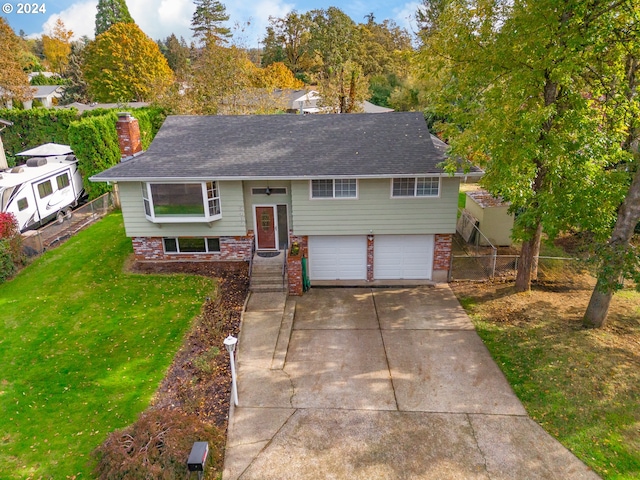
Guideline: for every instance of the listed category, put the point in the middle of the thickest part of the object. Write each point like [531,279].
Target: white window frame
[333,185]
[415,187]
[178,252]
[210,202]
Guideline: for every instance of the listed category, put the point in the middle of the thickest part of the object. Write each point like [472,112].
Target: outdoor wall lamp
[230,344]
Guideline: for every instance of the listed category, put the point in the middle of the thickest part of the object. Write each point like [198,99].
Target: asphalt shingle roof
[285,146]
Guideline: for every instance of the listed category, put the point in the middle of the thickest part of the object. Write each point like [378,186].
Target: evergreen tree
[77,90]
[208,20]
[111,12]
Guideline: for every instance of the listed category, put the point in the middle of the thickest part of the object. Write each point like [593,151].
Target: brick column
[442,257]
[294,274]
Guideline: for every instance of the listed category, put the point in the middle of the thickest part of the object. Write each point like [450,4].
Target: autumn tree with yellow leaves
[57,47]
[14,83]
[124,64]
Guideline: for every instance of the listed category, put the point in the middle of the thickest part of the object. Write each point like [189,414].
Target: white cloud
[80,18]
[159,19]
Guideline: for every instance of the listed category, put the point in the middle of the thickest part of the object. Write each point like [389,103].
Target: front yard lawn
[83,348]
[582,386]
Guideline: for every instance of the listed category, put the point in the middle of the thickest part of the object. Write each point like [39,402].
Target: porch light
[230,344]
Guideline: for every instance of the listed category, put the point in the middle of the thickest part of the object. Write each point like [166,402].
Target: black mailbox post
[198,457]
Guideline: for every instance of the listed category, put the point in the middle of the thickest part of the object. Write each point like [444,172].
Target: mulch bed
[199,379]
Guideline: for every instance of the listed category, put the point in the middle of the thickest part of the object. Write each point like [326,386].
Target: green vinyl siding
[279,199]
[374,211]
[136,224]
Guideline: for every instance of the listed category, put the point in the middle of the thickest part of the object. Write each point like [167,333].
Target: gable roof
[285,147]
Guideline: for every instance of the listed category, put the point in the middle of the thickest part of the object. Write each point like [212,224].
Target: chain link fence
[505,267]
[37,241]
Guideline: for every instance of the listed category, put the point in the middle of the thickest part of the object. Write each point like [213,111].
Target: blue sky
[160,18]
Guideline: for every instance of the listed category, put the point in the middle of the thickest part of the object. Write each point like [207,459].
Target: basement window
[191,245]
[181,202]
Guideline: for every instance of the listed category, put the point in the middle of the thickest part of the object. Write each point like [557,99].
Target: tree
[220,77]
[287,41]
[177,54]
[334,38]
[77,89]
[14,83]
[616,76]
[276,75]
[508,77]
[344,90]
[111,12]
[57,47]
[208,21]
[123,64]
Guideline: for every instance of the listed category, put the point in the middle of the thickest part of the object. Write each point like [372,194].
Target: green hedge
[95,142]
[35,127]
[92,136]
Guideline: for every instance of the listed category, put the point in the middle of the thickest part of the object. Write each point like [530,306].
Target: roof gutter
[97,178]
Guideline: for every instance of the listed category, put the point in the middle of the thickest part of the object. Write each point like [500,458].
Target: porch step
[267,274]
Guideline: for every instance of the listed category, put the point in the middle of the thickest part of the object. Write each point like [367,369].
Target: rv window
[63,181]
[23,204]
[45,189]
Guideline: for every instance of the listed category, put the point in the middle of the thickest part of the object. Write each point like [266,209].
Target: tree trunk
[613,266]
[536,253]
[598,307]
[527,259]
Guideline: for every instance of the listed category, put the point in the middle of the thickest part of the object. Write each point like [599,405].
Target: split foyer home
[363,195]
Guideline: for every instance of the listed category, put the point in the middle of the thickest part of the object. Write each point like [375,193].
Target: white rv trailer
[47,187]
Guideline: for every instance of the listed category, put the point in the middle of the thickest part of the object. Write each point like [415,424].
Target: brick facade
[147,249]
[294,264]
[442,257]
[370,257]
[128,135]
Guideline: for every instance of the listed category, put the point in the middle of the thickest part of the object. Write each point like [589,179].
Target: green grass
[582,386]
[83,349]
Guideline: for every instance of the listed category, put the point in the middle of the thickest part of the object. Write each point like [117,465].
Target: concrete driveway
[378,383]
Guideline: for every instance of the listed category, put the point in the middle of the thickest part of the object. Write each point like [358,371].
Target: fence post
[495,259]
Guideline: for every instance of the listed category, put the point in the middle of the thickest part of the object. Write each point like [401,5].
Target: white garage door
[403,257]
[338,257]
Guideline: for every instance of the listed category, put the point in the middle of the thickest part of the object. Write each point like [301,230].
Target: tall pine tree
[208,20]
[111,12]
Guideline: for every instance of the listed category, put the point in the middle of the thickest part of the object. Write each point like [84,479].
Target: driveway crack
[475,439]
[384,347]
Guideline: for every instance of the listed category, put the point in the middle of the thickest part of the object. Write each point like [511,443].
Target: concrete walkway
[378,384]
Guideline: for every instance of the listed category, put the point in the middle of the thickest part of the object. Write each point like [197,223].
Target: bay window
[181,202]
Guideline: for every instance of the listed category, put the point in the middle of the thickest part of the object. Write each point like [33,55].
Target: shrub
[157,446]
[10,245]
[7,266]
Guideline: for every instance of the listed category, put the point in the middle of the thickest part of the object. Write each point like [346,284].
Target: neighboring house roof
[286,147]
[44,91]
[369,107]
[82,107]
[485,200]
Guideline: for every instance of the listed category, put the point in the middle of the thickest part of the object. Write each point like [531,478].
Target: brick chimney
[128,135]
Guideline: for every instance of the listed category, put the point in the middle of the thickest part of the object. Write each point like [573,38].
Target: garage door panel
[338,257]
[403,257]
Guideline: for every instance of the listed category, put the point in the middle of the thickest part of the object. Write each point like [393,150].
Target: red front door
[266,228]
